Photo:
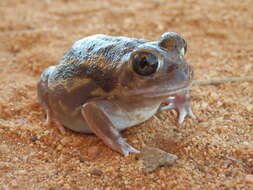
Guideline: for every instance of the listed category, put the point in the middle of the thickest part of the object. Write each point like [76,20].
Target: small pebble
[154,158]
[34,138]
[82,160]
[96,172]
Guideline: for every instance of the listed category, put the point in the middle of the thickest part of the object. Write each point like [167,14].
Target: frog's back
[111,48]
[95,57]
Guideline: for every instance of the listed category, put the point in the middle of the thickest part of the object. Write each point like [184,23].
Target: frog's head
[157,69]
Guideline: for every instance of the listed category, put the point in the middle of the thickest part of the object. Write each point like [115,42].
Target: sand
[214,151]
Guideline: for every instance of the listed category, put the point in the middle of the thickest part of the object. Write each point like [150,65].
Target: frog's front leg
[102,126]
[181,103]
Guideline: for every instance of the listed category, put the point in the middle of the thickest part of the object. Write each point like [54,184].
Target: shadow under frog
[105,84]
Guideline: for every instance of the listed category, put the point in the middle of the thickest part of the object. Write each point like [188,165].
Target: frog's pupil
[145,64]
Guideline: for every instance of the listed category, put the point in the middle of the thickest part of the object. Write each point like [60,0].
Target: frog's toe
[191,114]
[182,115]
[125,148]
[48,118]
[183,112]
[47,122]
[167,107]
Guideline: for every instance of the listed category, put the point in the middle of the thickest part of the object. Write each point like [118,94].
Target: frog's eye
[145,63]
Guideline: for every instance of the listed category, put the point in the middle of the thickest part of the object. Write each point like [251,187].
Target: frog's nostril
[183,73]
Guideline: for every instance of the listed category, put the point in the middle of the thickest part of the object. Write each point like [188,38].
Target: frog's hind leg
[102,126]
[50,119]
[43,98]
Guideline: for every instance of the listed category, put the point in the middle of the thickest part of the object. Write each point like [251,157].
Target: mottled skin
[94,88]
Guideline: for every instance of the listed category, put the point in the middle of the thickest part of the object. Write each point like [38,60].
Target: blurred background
[219,33]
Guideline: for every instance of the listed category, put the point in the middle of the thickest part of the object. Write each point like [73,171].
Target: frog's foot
[102,126]
[60,127]
[49,119]
[125,148]
[183,110]
[181,103]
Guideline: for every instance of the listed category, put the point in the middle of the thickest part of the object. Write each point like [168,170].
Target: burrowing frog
[105,84]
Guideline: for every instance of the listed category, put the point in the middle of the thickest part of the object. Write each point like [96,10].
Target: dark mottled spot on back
[103,77]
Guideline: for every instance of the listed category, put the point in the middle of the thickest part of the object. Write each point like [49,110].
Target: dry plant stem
[218,81]
[236,161]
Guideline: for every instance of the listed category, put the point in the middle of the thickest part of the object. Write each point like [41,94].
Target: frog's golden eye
[145,63]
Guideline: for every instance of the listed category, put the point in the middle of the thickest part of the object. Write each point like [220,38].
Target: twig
[236,161]
[218,81]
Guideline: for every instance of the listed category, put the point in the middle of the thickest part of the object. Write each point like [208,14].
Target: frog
[106,84]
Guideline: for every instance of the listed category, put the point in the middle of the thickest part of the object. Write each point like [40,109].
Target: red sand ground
[215,151]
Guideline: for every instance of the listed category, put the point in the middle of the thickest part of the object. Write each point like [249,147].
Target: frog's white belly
[121,115]
[123,118]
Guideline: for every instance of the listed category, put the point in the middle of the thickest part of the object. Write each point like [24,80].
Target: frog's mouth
[182,82]
[162,93]
[166,92]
